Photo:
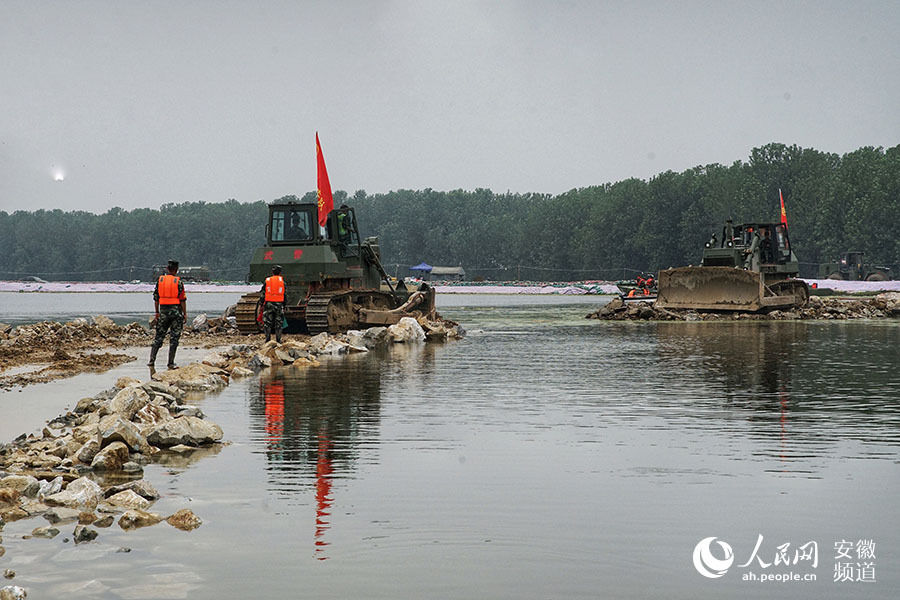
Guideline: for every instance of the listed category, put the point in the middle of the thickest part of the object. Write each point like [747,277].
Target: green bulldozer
[334,281]
[751,269]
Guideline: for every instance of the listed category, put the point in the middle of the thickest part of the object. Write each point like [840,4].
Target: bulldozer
[334,281]
[751,269]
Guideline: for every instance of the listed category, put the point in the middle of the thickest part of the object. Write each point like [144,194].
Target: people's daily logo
[707,563]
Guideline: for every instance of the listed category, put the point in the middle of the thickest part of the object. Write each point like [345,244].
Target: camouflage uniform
[170,321]
[273,317]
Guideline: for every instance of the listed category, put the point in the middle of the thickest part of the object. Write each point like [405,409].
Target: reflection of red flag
[323,186]
[783,214]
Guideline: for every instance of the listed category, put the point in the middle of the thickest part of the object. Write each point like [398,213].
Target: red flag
[783,214]
[323,186]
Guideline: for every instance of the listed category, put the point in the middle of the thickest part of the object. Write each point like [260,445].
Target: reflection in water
[315,422]
[820,384]
[752,363]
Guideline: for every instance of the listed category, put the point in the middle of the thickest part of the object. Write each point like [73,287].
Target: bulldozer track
[245,313]
[317,313]
[339,311]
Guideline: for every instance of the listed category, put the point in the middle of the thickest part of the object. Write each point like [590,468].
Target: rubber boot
[268,333]
[154,349]
[172,350]
[278,335]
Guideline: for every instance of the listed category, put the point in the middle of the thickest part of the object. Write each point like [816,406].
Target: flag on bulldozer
[783,214]
[323,186]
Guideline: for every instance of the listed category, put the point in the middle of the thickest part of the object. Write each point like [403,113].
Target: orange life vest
[168,289]
[275,289]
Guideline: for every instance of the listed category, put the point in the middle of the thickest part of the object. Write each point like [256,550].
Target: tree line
[834,204]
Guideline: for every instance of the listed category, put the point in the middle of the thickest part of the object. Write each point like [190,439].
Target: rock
[86,518]
[185,430]
[200,323]
[153,413]
[259,362]
[159,387]
[46,532]
[13,514]
[25,484]
[85,433]
[49,488]
[185,520]
[9,496]
[62,515]
[128,499]
[105,324]
[88,451]
[132,467]
[114,428]
[195,376]
[82,493]
[13,592]
[239,372]
[104,521]
[141,487]
[86,405]
[306,362]
[127,402]
[124,382]
[111,457]
[407,330]
[216,359]
[84,534]
[135,518]
[188,410]
[9,573]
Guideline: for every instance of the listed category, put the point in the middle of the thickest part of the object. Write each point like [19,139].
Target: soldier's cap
[173,264]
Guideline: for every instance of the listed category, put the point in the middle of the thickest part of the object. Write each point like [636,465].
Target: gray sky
[142,103]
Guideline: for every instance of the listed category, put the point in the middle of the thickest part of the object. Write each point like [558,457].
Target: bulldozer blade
[713,288]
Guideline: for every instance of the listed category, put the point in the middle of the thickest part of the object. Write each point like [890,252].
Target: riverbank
[50,350]
[441,287]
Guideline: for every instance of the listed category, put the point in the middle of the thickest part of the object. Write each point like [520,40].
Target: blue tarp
[422,267]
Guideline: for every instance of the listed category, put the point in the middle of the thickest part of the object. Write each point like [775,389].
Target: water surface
[544,456]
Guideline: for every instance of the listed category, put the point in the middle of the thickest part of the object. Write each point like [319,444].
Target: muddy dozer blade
[711,288]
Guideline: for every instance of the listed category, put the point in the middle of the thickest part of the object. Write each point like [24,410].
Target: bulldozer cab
[292,224]
[749,245]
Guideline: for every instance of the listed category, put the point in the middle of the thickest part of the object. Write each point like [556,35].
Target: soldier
[273,309]
[171,312]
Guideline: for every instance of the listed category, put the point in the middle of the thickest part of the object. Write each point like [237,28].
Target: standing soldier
[273,309]
[171,312]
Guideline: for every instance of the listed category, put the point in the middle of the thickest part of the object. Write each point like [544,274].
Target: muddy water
[544,456]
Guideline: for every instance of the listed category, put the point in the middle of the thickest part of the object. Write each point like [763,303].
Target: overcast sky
[136,104]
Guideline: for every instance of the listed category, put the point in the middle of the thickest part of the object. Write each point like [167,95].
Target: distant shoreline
[563,288]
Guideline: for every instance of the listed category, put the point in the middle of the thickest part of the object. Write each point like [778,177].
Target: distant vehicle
[186,273]
[851,267]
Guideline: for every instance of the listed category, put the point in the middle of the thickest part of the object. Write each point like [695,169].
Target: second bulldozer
[333,280]
[751,269]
